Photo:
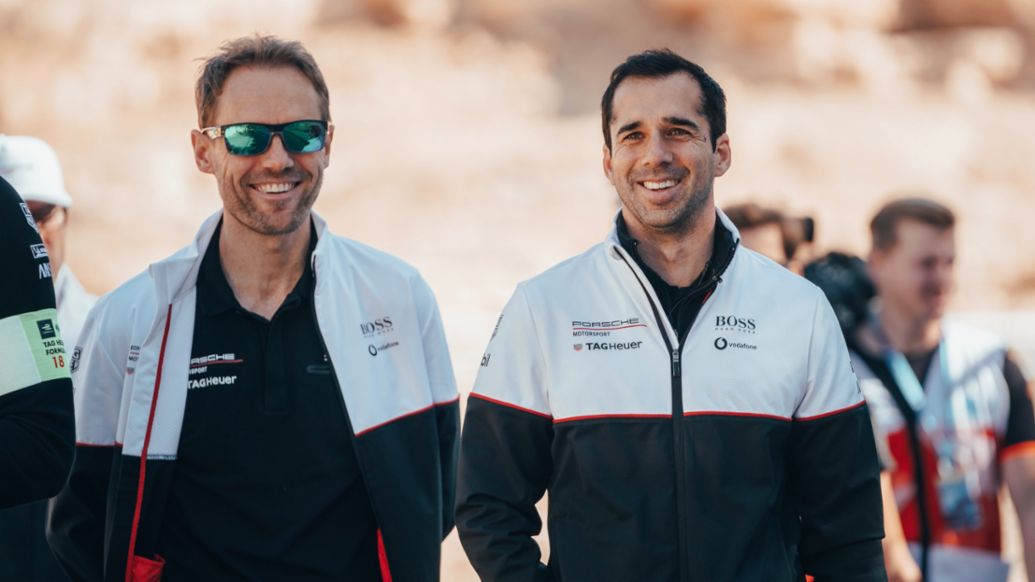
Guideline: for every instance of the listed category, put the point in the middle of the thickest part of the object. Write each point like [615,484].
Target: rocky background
[468,134]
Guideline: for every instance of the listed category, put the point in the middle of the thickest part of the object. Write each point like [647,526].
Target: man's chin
[277,224]
[936,310]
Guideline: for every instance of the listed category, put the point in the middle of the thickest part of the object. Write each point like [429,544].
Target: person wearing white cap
[31,166]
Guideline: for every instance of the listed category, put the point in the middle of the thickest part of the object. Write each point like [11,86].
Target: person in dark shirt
[950,408]
[273,402]
[37,430]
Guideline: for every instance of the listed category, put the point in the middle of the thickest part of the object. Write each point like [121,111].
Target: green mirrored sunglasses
[251,139]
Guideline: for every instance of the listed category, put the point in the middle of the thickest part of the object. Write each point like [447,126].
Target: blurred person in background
[273,402]
[761,229]
[31,166]
[846,283]
[36,420]
[950,406]
[784,239]
[734,448]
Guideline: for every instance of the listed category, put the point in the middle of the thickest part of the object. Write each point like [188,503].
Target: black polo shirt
[266,483]
[682,304]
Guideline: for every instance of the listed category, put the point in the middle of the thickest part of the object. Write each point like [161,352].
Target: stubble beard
[675,220]
[247,212]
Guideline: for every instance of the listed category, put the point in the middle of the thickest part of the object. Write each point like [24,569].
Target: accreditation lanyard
[912,389]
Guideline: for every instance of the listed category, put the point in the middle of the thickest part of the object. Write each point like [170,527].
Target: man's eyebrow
[628,127]
[683,121]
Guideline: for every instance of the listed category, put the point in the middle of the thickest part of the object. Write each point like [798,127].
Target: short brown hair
[255,51]
[885,222]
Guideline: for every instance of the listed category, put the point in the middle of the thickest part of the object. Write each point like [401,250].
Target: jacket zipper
[348,421]
[678,441]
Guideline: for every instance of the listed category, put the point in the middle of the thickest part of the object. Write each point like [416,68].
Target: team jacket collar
[177,275]
[722,257]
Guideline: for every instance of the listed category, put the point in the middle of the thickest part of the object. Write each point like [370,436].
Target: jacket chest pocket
[734,375]
[610,377]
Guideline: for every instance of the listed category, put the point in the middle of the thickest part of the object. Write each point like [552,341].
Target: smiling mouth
[658,185]
[275,187]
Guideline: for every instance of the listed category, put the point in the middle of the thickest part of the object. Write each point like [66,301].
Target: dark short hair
[255,51]
[885,222]
[752,215]
[656,64]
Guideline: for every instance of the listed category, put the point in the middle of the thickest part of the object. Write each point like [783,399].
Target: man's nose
[277,157]
[658,152]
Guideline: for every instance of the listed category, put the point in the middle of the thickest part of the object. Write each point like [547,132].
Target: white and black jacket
[131,376]
[743,452]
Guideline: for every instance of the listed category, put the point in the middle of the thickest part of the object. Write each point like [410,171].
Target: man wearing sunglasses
[31,166]
[273,402]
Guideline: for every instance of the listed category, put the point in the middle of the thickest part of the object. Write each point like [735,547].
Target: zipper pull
[677,370]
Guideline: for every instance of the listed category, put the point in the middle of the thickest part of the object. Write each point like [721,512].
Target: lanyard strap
[905,377]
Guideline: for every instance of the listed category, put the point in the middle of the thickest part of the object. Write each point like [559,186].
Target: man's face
[917,274]
[766,239]
[661,160]
[270,193]
[52,222]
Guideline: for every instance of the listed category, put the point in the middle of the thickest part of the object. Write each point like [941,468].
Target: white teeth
[652,185]
[275,188]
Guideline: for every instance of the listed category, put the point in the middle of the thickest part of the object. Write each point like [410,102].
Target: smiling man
[687,403]
[273,402]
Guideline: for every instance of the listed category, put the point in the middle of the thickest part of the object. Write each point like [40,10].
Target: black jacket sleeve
[504,471]
[836,490]
[76,517]
[448,418]
[37,427]
[833,471]
[505,460]
[444,395]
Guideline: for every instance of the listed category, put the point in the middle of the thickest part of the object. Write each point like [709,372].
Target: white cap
[32,167]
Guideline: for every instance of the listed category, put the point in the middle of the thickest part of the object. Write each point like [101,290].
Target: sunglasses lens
[246,139]
[303,137]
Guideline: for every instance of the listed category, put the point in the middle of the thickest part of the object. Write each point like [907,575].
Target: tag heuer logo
[578,347]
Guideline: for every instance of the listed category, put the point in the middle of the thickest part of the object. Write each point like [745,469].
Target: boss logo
[377,327]
[732,322]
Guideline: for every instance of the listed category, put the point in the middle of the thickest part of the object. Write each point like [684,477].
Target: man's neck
[909,335]
[262,269]
[678,257]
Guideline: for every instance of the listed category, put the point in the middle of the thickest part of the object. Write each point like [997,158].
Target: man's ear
[202,145]
[327,145]
[723,155]
[608,168]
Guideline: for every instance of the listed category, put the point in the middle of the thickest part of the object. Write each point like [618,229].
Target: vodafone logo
[722,343]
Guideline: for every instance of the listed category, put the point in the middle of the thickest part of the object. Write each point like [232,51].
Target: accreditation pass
[32,350]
